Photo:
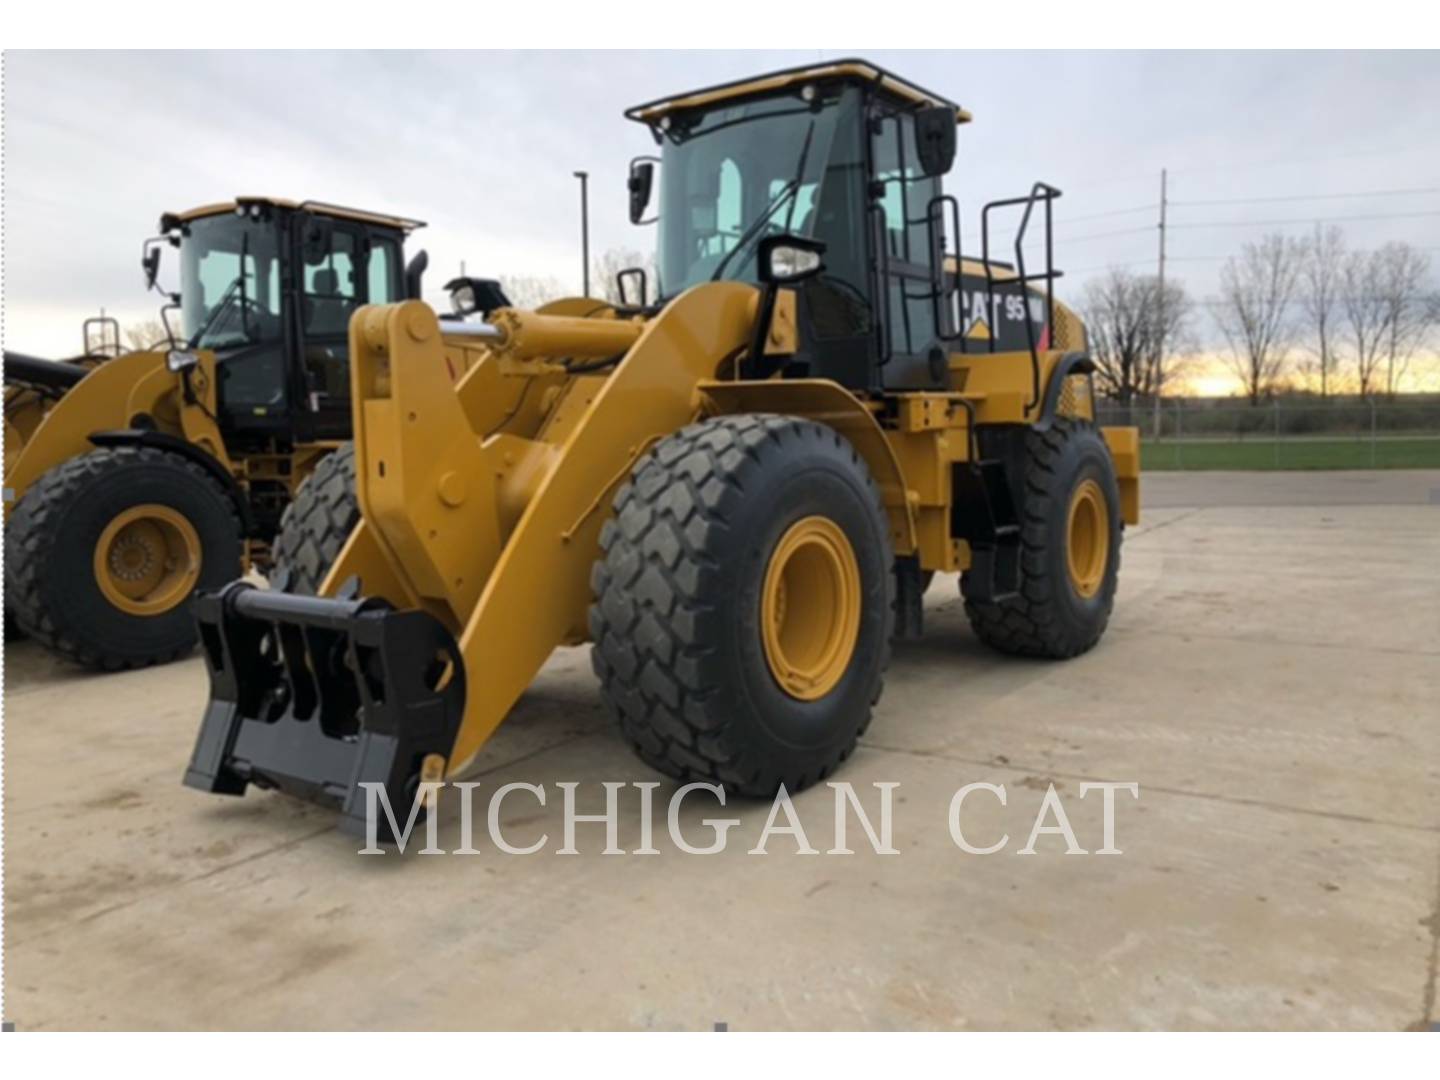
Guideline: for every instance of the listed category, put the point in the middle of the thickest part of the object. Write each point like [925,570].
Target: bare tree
[1364,313]
[1132,332]
[150,334]
[605,270]
[529,291]
[1321,282]
[1256,291]
[1402,274]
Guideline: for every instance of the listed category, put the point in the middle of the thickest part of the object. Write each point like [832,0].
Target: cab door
[906,255]
[343,266]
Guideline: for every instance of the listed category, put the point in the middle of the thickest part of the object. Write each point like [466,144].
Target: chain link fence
[1339,433]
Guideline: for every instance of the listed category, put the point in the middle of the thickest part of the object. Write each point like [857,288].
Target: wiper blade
[226,299]
[755,227]
[788,191]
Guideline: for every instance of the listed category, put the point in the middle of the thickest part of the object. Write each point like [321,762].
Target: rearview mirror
[635,273]
[315,242]
[640,185]
[415,274]
[786,259]
[935,139]
[150,262]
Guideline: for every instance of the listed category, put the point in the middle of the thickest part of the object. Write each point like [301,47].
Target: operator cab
[844,153]
[269,286]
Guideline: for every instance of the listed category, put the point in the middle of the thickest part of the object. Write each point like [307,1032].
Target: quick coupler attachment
[318,696]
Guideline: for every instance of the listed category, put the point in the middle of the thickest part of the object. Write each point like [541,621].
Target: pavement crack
[273,849]
[1234,800]
[1432,967]
[177,883]
[1146,530]
[1150,630]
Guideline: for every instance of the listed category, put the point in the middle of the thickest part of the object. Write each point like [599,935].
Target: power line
[1112,213]
[1308,198]
[1113,232]
[1250,166]
[1176,258]
[1112,266]
[1300,221]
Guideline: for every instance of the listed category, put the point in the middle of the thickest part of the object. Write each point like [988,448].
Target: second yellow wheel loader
[131,480]
[735,491]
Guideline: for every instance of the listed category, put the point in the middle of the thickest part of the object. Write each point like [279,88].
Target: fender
[174,445]
[829,403]
[1072,363]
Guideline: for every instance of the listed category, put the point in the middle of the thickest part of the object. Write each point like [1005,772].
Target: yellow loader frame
[482,501]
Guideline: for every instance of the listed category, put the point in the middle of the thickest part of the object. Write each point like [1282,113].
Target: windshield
[219,306]
[737,173]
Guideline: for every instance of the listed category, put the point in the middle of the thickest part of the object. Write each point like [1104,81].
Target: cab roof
[315,206]
[854,70]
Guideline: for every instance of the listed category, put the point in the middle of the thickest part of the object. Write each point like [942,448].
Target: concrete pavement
[1269,679]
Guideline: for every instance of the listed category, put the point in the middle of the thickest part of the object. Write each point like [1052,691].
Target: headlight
[789,263]
[181,360]
[462,299]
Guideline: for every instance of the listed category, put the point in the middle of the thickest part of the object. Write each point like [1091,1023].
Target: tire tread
[30,537]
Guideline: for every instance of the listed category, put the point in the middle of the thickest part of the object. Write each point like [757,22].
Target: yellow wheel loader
[132,480]
[735,491]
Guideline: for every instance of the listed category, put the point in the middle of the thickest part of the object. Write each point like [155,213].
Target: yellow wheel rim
[810,608]
[1087,546]
[148,559]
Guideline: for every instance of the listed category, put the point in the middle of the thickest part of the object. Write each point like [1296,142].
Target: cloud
[482,145]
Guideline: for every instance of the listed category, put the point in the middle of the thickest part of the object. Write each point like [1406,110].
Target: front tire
[1070,549]
[318,522]
[744,603]
[105,550]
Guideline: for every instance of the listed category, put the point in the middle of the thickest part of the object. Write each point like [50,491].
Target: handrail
[941,293]
[1047,193]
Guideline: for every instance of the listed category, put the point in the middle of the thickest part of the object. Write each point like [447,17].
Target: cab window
[329,285]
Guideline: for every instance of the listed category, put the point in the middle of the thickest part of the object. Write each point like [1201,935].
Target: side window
[382,274]
[906,196]
[904,204]
[330,285]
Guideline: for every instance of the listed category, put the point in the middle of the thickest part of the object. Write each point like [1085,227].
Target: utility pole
[584,178]
[1160,297]
[1164,204]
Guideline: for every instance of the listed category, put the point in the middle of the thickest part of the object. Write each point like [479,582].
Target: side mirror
[637,272]
[935,139]
[315,242]
[150,263]
[414,272]
[787,260]
[640,184]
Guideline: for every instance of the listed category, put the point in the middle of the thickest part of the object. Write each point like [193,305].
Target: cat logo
[979,331]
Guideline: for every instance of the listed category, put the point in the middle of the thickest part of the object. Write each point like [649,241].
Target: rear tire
[318,522]
[74,568]
[715,524]
[1062,608]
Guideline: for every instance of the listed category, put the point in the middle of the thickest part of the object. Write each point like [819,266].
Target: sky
[483,146]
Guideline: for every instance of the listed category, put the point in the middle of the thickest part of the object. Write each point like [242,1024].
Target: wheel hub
[810,608]
[1087,538]
[147,559]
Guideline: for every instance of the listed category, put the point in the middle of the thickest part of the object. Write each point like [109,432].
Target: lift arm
[485,534]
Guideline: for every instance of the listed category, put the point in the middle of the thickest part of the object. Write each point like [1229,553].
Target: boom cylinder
[528,335]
